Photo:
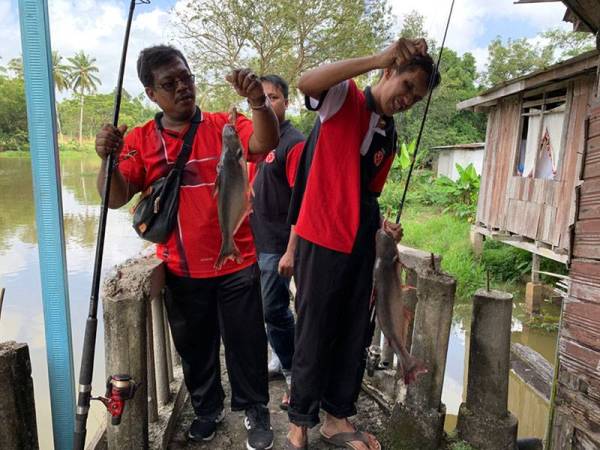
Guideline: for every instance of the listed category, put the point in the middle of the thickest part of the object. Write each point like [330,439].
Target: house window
[543,118]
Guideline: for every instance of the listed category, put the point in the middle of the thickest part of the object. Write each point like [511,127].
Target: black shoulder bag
[155,214]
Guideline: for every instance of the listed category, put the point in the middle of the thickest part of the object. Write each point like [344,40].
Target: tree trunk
[81,121]
[58,126]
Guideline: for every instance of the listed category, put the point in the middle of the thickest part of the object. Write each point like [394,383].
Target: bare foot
[297,435]
[333,425]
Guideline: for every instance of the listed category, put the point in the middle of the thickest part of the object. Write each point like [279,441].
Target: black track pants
[200,311]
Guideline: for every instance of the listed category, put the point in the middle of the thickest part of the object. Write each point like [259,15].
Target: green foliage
[457,197]
[519,57]
[304,121]
[286,37]
[13,114]
[98,110]
[568,44]
[505,262]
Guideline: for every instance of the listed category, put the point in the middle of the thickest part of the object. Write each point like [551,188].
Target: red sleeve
[131,164]
[379,180]
[292,161]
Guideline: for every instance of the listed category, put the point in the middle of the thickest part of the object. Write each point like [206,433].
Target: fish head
[385,246]
[232,146]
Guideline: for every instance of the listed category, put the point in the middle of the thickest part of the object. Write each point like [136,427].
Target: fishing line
[431,80]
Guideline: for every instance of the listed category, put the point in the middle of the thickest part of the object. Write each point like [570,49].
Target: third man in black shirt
[275,241]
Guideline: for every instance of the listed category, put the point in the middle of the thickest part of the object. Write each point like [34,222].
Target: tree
[60,73]
[517,58]
[285,37]
[82,80]
[13,114]
[567,44]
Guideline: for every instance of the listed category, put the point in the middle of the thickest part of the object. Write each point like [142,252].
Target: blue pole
[41,118]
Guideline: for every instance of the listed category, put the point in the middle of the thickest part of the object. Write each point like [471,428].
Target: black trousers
[332,305]
[200,311]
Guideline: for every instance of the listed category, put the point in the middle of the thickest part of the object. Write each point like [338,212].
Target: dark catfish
[393,317]
[232,191]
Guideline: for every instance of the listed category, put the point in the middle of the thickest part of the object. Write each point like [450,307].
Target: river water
[22,314]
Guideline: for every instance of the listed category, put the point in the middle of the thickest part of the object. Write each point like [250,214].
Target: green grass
[429,229]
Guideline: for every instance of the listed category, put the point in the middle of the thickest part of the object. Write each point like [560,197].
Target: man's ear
[150,93]
[287,103]
[387,73]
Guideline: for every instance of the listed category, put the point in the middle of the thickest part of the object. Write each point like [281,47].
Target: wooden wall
[541,210]
[576,422]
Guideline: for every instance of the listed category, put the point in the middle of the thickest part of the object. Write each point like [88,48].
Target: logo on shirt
[378,158]
[270,157]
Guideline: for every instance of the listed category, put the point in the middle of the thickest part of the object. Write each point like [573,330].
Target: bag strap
[188,139]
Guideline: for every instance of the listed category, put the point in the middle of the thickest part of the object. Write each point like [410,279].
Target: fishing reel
[119,389]
[373,359]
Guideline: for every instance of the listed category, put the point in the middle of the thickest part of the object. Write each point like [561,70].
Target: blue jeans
[276,308]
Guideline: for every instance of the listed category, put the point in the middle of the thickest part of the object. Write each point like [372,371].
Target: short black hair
[154,57]
[425,63]
[276,80]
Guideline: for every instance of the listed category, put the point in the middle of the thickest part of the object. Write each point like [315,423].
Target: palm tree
[60,72]
[82,80]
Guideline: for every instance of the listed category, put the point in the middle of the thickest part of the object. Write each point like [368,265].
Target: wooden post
[18,428]
[2,290]
[484,420]
[419,421]
[535,268]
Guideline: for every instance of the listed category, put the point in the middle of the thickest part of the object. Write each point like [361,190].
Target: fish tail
[229,250]
[412,368]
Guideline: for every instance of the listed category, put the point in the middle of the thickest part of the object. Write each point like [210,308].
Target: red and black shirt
[347,157]
[150,152]
[272,187]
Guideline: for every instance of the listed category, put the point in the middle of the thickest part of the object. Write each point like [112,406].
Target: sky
[97,28]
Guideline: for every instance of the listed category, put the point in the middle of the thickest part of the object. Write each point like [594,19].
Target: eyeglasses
[171,86]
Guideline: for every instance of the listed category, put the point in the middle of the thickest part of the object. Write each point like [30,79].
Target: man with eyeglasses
[203,303]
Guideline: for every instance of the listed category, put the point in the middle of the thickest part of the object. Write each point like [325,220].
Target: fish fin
[228,253]
[415,369]
[215,191]
[408,288]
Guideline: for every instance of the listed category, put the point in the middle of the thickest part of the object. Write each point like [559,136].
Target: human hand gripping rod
[117,392]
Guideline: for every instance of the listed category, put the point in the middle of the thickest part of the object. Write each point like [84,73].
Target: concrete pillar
[477,240]
[419,421]
[125,303]
[484,420]
[18,428]
[534,297]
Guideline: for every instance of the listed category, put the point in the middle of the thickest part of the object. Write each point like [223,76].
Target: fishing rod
[119,387]
[373,353]
[431,80]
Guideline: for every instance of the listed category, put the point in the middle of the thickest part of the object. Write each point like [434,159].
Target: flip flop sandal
[344,439]
[289,446]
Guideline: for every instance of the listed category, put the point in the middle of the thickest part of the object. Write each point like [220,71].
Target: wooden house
[533,155]
[555,205]
[446,158]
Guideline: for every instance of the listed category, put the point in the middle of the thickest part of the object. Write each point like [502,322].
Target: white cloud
[97,28]
[470,18]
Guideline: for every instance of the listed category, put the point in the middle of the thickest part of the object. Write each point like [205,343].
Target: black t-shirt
[272,192]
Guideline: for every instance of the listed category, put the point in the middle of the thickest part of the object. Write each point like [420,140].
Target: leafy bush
[504,261]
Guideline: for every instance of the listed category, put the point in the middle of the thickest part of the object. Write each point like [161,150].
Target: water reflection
[22,315]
